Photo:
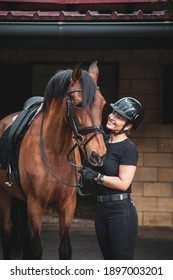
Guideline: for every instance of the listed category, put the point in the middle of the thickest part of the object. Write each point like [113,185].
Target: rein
[78,137]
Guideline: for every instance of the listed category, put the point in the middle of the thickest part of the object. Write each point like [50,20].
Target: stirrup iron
[8,180]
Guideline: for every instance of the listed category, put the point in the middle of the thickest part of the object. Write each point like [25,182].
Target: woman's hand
[87,173]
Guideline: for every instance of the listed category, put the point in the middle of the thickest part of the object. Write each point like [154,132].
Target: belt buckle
[121,196]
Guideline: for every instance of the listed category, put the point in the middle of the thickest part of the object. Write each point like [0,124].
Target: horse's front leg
[6,224]
[66,214]
[33,247]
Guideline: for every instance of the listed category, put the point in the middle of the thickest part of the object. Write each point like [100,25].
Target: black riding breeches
[116,225]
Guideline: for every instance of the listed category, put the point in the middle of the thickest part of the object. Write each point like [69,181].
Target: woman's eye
[79,105]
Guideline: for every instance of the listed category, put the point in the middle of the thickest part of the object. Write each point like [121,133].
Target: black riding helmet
[131,109]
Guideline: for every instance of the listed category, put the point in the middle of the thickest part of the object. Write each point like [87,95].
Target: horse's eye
[79,105]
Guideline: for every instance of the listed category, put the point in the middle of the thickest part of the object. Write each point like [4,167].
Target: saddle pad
[4,148]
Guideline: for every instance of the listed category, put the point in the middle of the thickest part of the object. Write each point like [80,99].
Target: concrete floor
[152,243]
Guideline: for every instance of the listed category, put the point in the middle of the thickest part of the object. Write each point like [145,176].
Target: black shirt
[120,153]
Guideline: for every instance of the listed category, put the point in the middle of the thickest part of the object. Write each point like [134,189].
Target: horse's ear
[77,72]
[94,71]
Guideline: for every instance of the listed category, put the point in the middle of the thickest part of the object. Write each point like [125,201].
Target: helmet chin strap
[123,130]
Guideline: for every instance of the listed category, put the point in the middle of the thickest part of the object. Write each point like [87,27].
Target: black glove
[87,173]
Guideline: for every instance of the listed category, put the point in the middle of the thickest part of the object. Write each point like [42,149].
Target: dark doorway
[167,95]
[16,87]
[109,85]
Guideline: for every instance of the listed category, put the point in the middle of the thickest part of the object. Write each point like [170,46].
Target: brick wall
[140,76]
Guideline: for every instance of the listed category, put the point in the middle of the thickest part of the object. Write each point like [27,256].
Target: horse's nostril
[95,157]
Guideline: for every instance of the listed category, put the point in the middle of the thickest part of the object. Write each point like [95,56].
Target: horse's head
[85,104]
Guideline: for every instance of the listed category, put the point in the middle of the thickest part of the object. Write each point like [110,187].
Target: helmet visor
[121,111]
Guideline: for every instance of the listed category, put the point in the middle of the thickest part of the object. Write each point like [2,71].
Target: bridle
[79,132]
[78,137]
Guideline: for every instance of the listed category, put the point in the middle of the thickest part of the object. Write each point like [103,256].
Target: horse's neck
[56,131]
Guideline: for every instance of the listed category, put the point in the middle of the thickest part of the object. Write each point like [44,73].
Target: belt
[112,197]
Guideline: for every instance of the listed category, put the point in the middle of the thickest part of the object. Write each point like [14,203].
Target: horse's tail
[20,230]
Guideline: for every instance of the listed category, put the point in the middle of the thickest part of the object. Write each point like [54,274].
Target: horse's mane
[59,83]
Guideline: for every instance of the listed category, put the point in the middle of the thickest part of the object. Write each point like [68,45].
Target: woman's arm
[123,180]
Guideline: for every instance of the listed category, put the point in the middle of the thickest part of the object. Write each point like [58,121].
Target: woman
[116,220]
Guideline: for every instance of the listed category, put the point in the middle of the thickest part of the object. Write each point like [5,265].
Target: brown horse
[44,164]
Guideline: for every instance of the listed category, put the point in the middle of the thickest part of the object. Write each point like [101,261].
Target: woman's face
[115,121]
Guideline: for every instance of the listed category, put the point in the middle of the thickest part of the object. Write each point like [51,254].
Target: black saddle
[11,138]
[21,123]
